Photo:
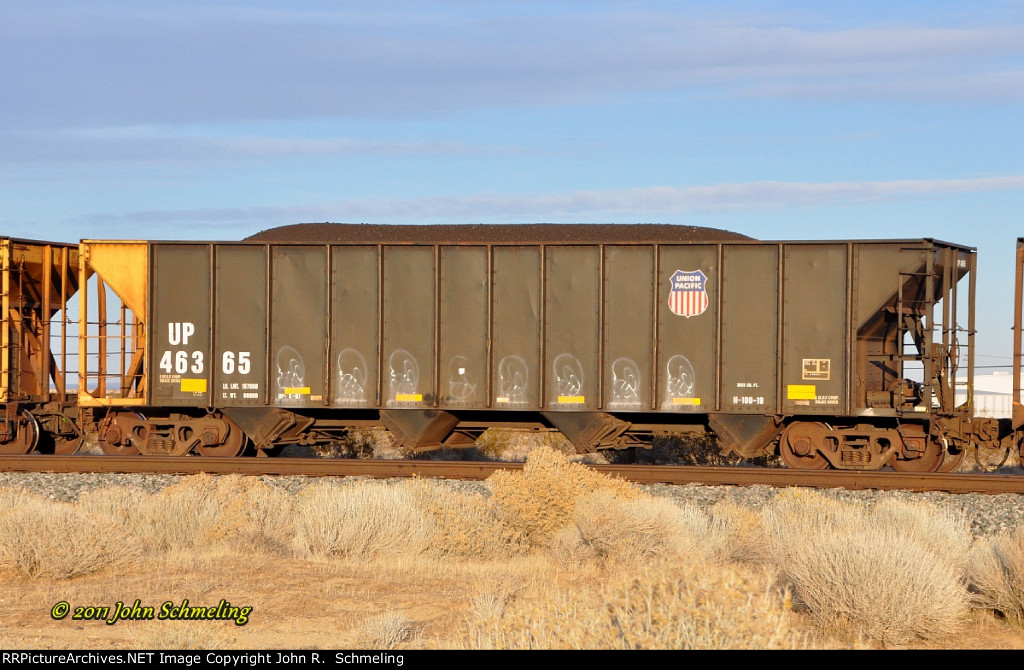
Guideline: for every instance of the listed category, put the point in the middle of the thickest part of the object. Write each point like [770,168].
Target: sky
[780,120]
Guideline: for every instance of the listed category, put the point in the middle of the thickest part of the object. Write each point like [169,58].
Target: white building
[993,394]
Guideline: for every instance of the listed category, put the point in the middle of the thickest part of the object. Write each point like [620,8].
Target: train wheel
[952,461]
[798,446]
[233,445]
[117,450]
[66,447]
[113,437]
[930,460]
[26,435]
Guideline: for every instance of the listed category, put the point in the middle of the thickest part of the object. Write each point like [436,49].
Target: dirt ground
[299,605]
[295,604]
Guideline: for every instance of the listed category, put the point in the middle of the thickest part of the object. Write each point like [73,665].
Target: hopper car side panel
[355,326]
[180,353]
[516,318]
[463,322]
[572,331]
[629,345]
[814,329]
[239,359]
[299,312]
[749,328]
[688,288]
[407,371]
[741,328]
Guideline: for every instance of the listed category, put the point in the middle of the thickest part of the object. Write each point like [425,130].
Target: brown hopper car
[839,354]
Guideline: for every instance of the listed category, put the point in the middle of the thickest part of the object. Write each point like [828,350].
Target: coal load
[365,233]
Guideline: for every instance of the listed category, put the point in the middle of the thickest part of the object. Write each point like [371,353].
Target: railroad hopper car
[38,407]
[837,354]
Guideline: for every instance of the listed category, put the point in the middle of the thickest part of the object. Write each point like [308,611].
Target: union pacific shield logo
[688,297]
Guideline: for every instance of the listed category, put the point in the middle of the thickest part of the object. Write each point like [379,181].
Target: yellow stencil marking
[193,386]
[685,401]
[801,392]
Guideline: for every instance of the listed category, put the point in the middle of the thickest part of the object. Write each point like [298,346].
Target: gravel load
[986,514]
[513,232]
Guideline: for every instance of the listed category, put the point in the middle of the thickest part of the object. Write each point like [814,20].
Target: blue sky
[791,120]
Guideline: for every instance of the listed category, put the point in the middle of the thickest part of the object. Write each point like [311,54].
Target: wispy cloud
[165,143]
[600,205]
[123,63]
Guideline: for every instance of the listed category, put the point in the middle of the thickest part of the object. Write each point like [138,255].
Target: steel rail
[478,470]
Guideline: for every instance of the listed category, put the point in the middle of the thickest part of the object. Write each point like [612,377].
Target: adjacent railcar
[839,353]
[37,406]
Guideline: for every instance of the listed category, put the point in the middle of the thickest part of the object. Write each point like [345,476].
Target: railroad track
[641,474]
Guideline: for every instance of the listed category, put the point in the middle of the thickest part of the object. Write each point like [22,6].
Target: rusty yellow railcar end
[112,347]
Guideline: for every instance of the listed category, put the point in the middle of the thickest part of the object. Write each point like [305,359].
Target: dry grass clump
[254,517]
[671,605]
[13,497]
[894,574]
[539,500]
[182,516]
[490,604]
[611,530]
[358,443]
[359,520]
[44,539]
[382,440]
[743,534]
[997,575]
[465,525]
[117,503]
[243,513]
[510,444]
[384,631]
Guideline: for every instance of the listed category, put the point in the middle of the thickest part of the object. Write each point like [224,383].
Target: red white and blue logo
[688,297]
